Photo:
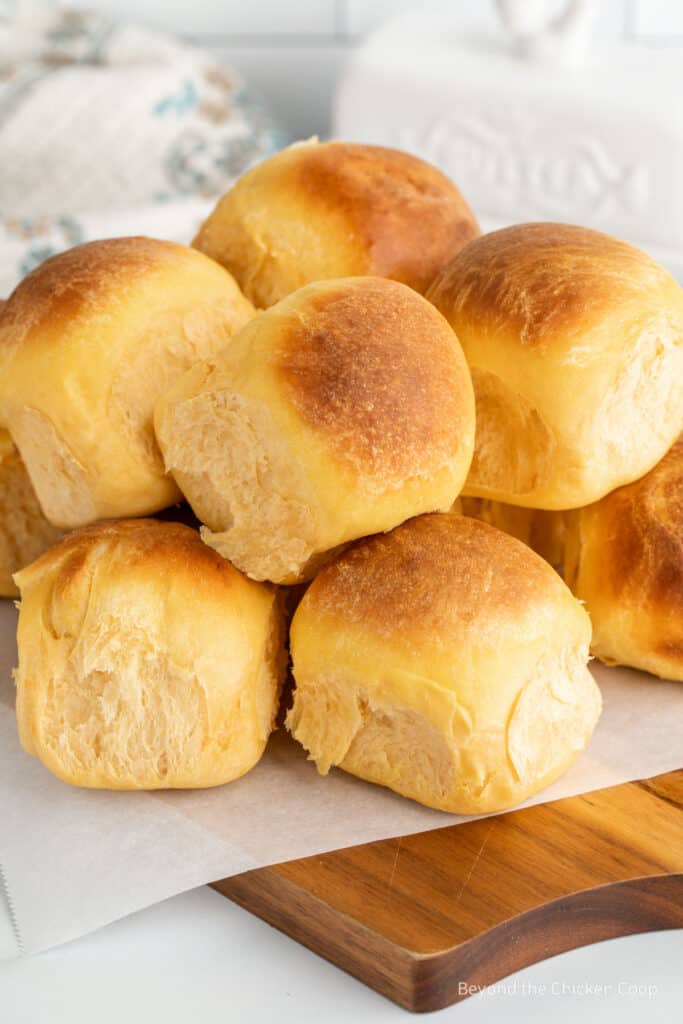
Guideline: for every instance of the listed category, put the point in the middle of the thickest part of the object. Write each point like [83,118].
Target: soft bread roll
[542,531]
[24,531]
[146,661]
[446,661]
[574,340]
[337,209]
[624,558]
[339,412]
[88,341]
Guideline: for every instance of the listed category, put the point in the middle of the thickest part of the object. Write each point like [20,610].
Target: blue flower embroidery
[181,103]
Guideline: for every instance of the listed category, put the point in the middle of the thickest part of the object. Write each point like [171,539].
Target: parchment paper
[72,860]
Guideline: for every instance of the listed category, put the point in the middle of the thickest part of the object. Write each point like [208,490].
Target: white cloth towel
[111,129]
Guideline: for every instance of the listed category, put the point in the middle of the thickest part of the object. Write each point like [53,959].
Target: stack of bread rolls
[341,377]
[575,345]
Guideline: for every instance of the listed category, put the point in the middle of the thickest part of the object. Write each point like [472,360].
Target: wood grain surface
[420,917]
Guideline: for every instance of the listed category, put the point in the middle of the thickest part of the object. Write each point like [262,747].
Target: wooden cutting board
[428,919]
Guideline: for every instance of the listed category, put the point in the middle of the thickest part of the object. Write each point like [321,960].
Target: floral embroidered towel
[110,129]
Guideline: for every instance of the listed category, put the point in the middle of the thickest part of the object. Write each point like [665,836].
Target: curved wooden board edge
[432,981]
[651,903]
[467,905]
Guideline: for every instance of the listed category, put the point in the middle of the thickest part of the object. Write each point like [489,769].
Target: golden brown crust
[624,559]
[409,218]
[433,574]
[542,531]
[378,372]
[169,548]
[445,660]
[74,283]
[575,344]
[543,280]
[88,342]
[337,209]
[340,412]
[640,529]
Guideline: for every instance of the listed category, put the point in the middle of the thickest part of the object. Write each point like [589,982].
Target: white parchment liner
[74,859]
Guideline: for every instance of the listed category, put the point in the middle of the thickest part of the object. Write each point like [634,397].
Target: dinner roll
[540,530]
[337,209]
[24,531]
[146,661]
[574,340]
[341,411]
[446,661]
[624,558]
[88,341]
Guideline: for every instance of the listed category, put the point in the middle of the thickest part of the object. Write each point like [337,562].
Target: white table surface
[198,957]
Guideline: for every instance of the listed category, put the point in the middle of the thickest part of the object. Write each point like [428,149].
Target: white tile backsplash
[347,19]
[226,17]
[291,51]
[361,16]
[296,82]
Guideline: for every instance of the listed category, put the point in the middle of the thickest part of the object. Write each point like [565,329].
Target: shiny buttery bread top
[341,411]
[88,341]
[575,342]
[337,209]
